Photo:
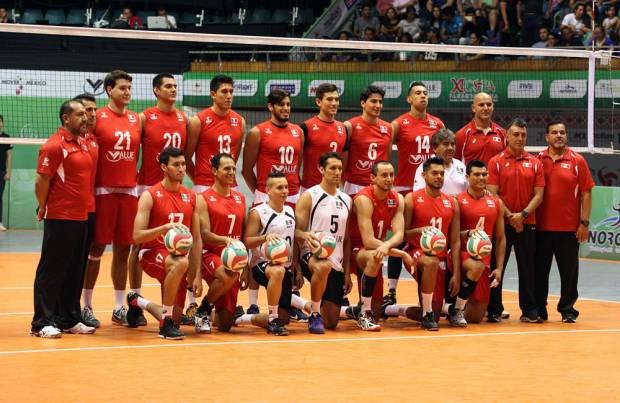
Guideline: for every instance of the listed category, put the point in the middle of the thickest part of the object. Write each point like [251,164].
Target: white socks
[87,297]
[119,299]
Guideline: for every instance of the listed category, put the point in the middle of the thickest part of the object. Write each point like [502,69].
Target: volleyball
[325,246]
[432,241]
[178,241]
[479,245]
[235,256]
[276,252]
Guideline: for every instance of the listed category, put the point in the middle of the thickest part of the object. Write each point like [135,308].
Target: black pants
[58,281]
[524,244]
[565,247]
[2,183]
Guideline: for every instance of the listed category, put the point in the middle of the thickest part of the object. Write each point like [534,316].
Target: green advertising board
[604,239]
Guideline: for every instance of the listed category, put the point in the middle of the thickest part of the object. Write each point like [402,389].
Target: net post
[591,79]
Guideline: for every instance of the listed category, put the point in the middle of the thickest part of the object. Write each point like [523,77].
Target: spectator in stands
[365,20]
[511,21]
[451,26]
[405,37]
[432,38]
[543,36]
[389,26]
[371,36]
[576,21]
[411,25]
[171,22]
[471,23]
[599,40]
[341,56]
[568,39]
[133,21]
[5,167]
[442,4]
[487,12]
[4,16]
[552,40]
[474,40]
[434,21]
[532,18]
[610,23]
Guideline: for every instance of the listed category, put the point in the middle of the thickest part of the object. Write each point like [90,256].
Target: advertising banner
[604,239]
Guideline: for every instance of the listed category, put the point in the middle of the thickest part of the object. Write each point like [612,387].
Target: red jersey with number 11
[383,211]
[226,214]
[431,211]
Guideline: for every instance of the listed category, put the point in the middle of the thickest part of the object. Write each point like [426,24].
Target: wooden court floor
[510,361]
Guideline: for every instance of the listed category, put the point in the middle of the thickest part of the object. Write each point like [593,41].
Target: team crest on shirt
[490,202]
[339,204]
[180,117]
[234,122]
[432,123]
[405,121]
[208,120]
[391,203]
[446,203]
[527,165]
[294,133]
[153,116]
[496,139]
[268,131]
[132,118]
[340,129]
[315,127]
[383,129]
[459,169]
[237,199]
[185,197]
[45,162]
[565,165]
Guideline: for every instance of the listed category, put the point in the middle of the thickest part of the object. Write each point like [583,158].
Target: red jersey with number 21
[226,214]
[431,211]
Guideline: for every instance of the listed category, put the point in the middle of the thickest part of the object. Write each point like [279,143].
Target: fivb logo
[314,84]
[531,89]
[290,86]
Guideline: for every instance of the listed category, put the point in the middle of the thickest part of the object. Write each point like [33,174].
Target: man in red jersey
[378,209]
[214,130]
[162,207]
[322,133]
[518,179]
[222,220]
[480,211]
[118,132]
[370,140]
[481,138]
[562,220]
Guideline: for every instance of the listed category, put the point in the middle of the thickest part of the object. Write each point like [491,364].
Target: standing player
[270,222]
[118,132]
[322,133]
[324,208]
[162,207]
[370,140]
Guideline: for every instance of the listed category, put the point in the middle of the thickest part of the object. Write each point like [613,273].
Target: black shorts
[258,273]
[304,262]
[334,290]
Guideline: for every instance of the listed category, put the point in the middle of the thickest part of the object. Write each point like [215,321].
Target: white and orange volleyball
[325,246]
[276,252]
[235,256]
[178,241]
[479,245]
[432,241]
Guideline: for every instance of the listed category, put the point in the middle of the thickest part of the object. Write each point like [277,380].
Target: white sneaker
[80,328]
[367,322]
[458,319]
[202,324]
[2,227]
[48,332]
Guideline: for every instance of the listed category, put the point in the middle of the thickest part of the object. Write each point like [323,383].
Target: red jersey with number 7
[431,211]
[279,150]
[226,215]
[368,143]
[383,211]
[160,130]
[118,136]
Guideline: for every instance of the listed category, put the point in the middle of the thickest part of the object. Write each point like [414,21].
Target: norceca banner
[604,238]
[557,89]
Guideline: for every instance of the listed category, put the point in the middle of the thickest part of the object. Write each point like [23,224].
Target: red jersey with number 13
[431,211]
[368,143]
[279,150]
[226,214]
[383,211]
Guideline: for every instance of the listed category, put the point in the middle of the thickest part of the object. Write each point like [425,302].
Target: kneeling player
[162,207]
[324,208]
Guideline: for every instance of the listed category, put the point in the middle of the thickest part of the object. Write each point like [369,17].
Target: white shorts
[351,188]
[260,197]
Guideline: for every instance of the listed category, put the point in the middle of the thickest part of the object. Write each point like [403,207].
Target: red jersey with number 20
[431,211]
[226,214]
[383,211]
[368,143]
[279,150]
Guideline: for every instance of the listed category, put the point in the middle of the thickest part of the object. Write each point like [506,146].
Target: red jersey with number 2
[226,214]
[279,150]
[321,137]
[383,211]
[368,143]
[431,211]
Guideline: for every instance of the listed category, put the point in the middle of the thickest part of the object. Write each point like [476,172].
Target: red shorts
[152,262]
[114,218]
[438,293]
[228,301]
[483,287]
[377,292]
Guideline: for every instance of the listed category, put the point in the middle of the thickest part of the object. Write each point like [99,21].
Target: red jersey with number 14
[368,143]
[431,211]
[161,130]
[226,214]
[119,141]
[279,150]
[383,211]
[169,207]
[320,137]
[480,214]
[218,134]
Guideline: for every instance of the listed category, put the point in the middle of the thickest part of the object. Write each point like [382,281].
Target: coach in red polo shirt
[517,178]
[62,187]
[480,139]
[562,220]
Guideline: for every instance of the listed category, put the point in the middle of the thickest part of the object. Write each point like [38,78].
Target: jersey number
[232,218]
[123,137]
[372,151]
[175,217]
[334,224]
[286,154]
[224,140]
[423,143]
[380,225]
[480,224]
[172,139]
[334,146]
[436,222]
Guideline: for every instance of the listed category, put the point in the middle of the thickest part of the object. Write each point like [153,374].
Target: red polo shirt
[566,178]
[68,162]
[516,177]
[472,143]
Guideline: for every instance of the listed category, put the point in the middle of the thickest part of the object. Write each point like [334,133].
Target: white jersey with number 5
[273,222]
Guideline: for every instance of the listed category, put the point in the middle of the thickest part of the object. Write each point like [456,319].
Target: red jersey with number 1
[368,143]
[480,214]
[161,130]
[279,150]
[226,214]
[320,137]
[218,134]
[119,141]
[431,211]
[383,211]
[169,207]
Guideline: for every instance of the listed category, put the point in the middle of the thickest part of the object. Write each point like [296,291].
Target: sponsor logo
[93,87]
[607,88]
[446,203]
[268,130]
[45,162]
[432,86]
[294,133]
[315,127]
[314,84]
[340,129]
[490,203]
[158,194]
[20,84]
[180,117]
[391,203]
[568,89]
[212,199]
[285,169]
[363,165]
[118,156]
[358,126]
[185,197]
[153,116]
[234,122]
[420,199]
[405,121]
[392,89]
[290,86]
[604,236]
[530,89]
[245,88]
[383,129]
[132,118]
[104,115]
[464,89]
[417,159]
[432,124]
[208,120]
[464,201]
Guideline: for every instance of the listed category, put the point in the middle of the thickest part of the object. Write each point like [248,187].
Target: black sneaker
[353,312]
[134,312]
[345,302]
[253,309]
[142,319]
[531,318]
[297,315]
[428,322]
[169,331]
[494,318]
[239,312]
[544,315]
[389,298]
[569,318]
[276,328]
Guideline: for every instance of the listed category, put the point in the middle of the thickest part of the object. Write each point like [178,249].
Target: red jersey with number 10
[279,150]
[169,207]
[226,214]
[383,211]
[161,130]
[119,141]
[218,134]
[320,137]
[368,143]
[431,211]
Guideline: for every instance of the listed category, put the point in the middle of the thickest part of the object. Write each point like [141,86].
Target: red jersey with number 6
[169,207]
[218,134]
[226,214]
[160,130]
[320,137]
[383,211]
[368,143]
[279,150]
[431,211]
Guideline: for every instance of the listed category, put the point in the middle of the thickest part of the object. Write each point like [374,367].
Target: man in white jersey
[324,208]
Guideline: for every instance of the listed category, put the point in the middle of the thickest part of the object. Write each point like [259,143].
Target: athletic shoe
[505,315]
[80,328]
[169,331]
[88,317]
[2,227]
[276,328]
[315,323]
[494,318]
[457,317]
[239,312]
[345,302]
[389,298]
[47,332]
[569,318]
[544,315]
[202,324]
[297,315]
[142,319]
[428,322]
[531,318]
[191,310]
[119,316]
[366,322]
[134,311]
[353,312]
[253,309]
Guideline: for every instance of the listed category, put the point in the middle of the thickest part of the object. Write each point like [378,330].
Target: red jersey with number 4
[383,211]
[431,211]
[169,207]
[279,150]
[320,137]
[368,143]
[226,214]
[119,141]
[480,214]
[161,130]
[218,134]
[414,145]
